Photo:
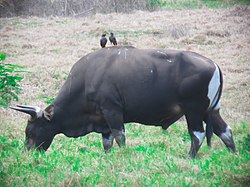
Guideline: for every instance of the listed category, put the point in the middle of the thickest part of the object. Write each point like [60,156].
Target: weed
[9,82]
[48,100]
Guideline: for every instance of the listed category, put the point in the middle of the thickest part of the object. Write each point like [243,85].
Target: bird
[103,40]
[112,39]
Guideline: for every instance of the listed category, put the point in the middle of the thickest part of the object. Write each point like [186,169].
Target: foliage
[194,4]
[9,81]
[48,100]
[153,4]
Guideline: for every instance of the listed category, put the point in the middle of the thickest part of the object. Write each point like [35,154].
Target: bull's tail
[214,105]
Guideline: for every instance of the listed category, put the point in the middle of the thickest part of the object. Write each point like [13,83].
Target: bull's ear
[49,112]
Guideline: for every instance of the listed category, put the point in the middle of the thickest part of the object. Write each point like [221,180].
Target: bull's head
[40,130]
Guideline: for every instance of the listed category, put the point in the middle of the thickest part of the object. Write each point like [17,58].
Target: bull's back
[151,84]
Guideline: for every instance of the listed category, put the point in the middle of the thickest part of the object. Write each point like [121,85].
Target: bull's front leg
[114,119]
[107,140]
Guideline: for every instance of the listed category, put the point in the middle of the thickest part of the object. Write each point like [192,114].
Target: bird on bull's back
[103,40]
[118,85]
[112,39]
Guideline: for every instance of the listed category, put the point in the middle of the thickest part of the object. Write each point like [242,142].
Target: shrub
[9,81]
[153,4]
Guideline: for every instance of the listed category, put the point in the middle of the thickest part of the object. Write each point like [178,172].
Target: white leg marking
[108,140]
[200,136]
[227,135]
[213,87]
[123,132]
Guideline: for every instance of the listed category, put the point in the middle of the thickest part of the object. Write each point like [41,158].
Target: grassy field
[48,47]
[152,158]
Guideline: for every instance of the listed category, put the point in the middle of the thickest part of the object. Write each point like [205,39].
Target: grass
[196,4]
[152,158]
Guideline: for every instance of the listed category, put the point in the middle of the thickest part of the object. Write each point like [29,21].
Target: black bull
[117,85]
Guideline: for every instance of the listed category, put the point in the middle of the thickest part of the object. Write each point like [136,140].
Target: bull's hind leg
[209,128]
[196,131]
[222,130]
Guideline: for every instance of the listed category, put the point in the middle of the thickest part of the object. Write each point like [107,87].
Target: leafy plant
[153,4]
[9,81]
[48,100]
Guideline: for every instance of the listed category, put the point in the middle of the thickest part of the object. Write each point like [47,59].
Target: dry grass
[49,47]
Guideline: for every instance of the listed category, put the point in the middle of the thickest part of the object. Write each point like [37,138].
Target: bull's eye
[29,135]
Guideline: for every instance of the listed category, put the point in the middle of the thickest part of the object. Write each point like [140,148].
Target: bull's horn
[35,112]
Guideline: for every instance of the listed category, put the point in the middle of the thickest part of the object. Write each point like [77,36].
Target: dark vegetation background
[72,7]
[44,8]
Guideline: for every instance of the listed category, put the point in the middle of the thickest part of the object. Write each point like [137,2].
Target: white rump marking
[200,136]
[213,88]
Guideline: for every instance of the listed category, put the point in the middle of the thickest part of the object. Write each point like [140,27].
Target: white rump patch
[200,136]
[213,88]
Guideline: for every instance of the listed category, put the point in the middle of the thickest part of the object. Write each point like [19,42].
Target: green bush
[9,81]
[153,4]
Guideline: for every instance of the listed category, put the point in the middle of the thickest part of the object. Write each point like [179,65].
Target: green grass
[152,158]
[196,4]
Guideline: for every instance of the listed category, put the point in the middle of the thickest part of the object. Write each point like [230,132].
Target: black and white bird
[103,40]
[112,39]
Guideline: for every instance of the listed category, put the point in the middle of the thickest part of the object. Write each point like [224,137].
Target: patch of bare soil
[48,48]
